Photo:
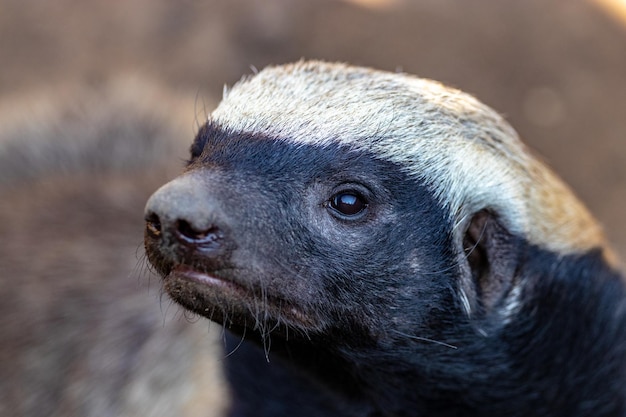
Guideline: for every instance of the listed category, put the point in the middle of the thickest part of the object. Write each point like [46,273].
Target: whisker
[425,339]
[243,336]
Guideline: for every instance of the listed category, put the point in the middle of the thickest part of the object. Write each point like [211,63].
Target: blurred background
[556,69]
[84,326]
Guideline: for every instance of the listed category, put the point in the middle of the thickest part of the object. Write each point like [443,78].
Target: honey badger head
[362,207]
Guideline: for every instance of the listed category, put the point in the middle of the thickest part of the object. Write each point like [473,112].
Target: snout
[186,224]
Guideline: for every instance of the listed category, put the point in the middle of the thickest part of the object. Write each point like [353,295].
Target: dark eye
[348,203]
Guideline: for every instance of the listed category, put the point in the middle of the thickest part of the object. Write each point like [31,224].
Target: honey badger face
[267,234]
[322,194]
[400,246]
[323,197]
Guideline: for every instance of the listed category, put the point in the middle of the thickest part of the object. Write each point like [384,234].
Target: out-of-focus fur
[84,331]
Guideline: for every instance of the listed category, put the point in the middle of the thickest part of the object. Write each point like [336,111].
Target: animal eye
[348,203]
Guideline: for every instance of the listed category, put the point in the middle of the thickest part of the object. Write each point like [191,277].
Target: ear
[492,257]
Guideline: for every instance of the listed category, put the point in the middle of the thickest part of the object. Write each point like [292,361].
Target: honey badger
[376,244]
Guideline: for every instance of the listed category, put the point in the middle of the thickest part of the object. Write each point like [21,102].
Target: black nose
[185,233]
[184,219]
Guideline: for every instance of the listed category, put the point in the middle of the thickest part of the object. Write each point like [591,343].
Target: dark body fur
[531,368]
[361,316]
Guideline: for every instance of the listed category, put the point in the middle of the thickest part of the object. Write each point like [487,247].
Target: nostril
[187,232]
[153,225]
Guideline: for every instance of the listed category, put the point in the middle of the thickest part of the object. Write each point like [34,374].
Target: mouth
[205,281]
[226,301]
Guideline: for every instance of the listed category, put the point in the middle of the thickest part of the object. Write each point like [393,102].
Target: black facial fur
[343,272]
[318,230]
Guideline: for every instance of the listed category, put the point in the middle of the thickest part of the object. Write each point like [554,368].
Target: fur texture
[383,245]
[83,334]
[437,134]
